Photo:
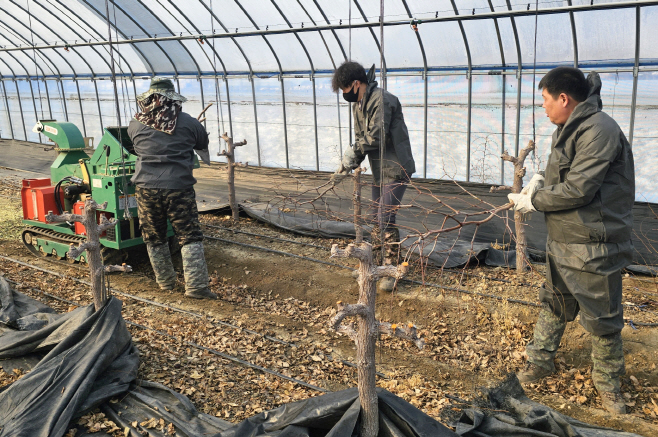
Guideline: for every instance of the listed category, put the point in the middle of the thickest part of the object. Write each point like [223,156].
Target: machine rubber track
[110,256]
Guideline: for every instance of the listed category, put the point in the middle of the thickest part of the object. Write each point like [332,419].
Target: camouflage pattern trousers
[583,279]
[156,205]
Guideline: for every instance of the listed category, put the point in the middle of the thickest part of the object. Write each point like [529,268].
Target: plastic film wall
[463,70]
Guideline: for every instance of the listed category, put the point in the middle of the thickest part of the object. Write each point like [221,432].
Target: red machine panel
[38,197]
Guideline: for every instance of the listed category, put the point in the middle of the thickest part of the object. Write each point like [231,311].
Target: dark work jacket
[163,160]
[398,161]
[589,187]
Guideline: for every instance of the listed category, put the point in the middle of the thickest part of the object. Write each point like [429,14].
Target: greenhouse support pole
[203,102]
[20,108]
[425,92]
[468,126]
[285,122]
[98,103]
[315,125]
[502,137]
[34,105]
[228,104]
[635,75]
[82,113]
[66,109]
[11,126]
[135,91]
[573,37]
[50,111]
[518,112]
[253,96]
[340,133]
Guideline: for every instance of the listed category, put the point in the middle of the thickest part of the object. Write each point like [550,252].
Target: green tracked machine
[74,176]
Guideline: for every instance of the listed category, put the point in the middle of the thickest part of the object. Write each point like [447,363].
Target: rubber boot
[608,367]
[196,271]
[160,257]
[391,256]
[543,347]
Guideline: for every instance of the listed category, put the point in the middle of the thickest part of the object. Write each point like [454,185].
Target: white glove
[340,174]
[535,184]
[522,203]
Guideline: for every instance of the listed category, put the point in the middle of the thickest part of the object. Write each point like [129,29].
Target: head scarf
[159,112]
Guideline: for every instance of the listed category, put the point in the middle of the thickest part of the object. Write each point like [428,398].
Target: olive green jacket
[398,161]
[589,186]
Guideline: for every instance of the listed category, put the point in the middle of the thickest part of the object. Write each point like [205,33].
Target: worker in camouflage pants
[165,139]
[587,197]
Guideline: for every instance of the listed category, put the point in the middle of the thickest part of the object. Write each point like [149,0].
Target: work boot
[160,257]
[391,256]
[532,372]
[613,402]
[607,369]
[196,271]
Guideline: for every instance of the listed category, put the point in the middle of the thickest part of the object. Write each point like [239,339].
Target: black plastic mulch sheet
[86,357]
[510,413]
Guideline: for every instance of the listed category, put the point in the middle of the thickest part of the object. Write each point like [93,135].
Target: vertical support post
[228,104]
[82,112]
[315,125]
[11,126]
[34,105]
[253,96]
[20,108]
[502,136]
[340,129]
[468,125]
[636,73]
[203,103]
[135,92]
[50,111]
[518,112]
[285,120]
[66,110]
[98,103]
[574,37]
[425,80]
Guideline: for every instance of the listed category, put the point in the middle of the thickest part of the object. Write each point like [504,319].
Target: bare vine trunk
[357,205]
[92,246]
[368,328]
[230,179]
[519,219]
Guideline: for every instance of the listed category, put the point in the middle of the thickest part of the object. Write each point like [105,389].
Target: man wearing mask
[165,138]
[391,167]
[587,199]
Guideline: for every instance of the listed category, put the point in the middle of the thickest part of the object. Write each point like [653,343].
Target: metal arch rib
[97,33]
[470,94]
[340,44]
[71,28]
[573,36]
[27,72]
[422,51]
[20,37]
[315,109]
[212,47]
[133,45]
[145,33]
[56,34]
[38,36]
[503,78]
[374,36]
[169,30]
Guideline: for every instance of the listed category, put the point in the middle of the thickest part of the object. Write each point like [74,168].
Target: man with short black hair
[391,174]
[587,199]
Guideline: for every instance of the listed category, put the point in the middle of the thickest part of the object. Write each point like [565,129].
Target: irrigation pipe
[198,346]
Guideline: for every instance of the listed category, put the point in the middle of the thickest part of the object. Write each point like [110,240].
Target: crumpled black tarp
[523,417]
[89,357]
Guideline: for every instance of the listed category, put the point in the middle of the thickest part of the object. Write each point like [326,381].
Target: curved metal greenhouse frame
[477,54]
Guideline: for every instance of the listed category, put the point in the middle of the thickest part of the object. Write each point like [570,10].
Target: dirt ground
[471,341]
